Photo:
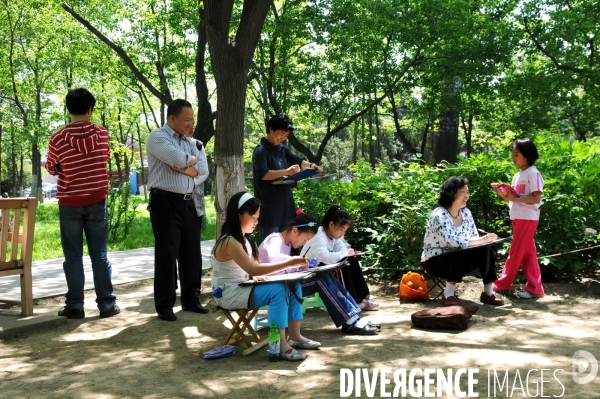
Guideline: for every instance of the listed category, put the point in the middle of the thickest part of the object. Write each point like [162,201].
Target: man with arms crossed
[173,164]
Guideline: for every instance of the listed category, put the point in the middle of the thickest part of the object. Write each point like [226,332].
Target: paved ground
[128,266]
[49,281]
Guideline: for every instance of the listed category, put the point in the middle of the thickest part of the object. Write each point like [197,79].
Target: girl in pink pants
[525,215]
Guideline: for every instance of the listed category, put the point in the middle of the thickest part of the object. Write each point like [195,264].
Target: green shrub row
[391,205]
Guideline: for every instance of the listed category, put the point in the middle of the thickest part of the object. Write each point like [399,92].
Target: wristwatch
[184,169]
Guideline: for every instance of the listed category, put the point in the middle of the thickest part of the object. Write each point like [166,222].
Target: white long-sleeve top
[324,249]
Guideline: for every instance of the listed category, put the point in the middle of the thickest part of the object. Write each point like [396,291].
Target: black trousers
[453,266]
[176,229]
[353,280]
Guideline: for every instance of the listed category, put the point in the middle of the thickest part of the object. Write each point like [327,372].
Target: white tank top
[228,275]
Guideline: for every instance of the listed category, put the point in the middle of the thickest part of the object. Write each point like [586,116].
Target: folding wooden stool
[239,326]
[437,282]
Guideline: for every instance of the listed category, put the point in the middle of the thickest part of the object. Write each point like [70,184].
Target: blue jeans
[93,220]
[283,305]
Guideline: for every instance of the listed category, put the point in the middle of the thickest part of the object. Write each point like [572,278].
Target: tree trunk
[144,186]
[231,60]
[468,129]
[355,147]
[15,170]
[21,175]
[205,129]
[446,146]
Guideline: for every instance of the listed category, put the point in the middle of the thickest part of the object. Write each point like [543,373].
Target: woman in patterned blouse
[451,228]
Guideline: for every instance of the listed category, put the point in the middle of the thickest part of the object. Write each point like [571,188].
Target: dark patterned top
[441,235]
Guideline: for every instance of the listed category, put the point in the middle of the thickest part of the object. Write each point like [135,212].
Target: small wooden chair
[239,326]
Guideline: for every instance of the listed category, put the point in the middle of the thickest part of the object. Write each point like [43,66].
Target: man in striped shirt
[77,154]
[172,166]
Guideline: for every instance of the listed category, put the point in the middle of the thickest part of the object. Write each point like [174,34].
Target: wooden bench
[16,259]
[239,326]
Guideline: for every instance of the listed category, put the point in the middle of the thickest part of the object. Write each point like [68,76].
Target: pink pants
[522,254]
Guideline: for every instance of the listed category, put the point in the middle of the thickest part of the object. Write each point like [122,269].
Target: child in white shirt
[329,246]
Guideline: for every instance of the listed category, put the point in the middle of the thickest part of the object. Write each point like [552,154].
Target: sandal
[292,355]
[306,344]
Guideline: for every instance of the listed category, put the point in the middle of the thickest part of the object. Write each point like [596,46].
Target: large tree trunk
[446,146]
[205,129]
[231,60]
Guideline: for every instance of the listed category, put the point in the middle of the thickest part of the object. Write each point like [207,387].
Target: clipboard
[356,255]
[328,268]
[282,278]
[303,174]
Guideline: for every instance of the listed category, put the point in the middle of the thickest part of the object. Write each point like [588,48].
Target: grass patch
[569,301]
[47,243]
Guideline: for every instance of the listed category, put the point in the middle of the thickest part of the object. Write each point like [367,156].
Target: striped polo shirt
[166,148]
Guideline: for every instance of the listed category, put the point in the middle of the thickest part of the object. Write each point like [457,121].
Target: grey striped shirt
[166,148]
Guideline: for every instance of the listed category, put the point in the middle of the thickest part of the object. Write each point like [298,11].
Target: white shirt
[441,235]
[526,182]
[326,250]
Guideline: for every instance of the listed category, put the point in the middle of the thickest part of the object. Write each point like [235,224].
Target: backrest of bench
[19,253]
[16,259]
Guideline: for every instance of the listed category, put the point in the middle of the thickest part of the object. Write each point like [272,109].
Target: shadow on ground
[137,355]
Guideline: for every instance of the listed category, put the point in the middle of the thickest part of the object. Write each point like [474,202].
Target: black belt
[172,194]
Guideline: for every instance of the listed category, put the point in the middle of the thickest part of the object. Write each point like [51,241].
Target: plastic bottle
[274,341]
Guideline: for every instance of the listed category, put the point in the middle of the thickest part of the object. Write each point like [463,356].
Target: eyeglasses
[309,224]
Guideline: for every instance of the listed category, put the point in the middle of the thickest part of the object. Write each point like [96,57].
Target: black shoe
[111,312]
[195,308]
[71,313]
[375,326]
[354,329]
[167,316]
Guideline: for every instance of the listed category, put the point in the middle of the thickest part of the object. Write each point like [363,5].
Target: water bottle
[274,340]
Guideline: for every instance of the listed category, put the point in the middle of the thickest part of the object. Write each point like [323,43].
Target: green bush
[391,204]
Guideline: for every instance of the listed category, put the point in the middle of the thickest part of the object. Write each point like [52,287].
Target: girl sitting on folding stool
[234,261]
[342,308]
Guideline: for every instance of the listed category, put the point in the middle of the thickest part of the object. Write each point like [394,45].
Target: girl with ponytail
[329,246]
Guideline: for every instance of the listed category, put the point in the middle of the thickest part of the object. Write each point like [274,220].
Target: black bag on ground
[446,318]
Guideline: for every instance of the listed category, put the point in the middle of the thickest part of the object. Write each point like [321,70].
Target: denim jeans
[93,220]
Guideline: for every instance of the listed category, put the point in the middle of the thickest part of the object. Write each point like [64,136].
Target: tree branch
[415,61]
[164,97]
[547,53]
[401,135]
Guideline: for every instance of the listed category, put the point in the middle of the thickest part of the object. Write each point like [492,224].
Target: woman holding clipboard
[271,161]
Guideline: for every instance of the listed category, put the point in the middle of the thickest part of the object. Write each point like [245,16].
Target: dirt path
[136,355]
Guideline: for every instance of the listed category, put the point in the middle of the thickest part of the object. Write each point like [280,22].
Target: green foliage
[391,204]
[121,207]
[47,230]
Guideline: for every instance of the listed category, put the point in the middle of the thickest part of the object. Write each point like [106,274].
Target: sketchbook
[278,278]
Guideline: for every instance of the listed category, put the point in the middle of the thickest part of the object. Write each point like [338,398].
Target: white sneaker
[368,304]
[526,295]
